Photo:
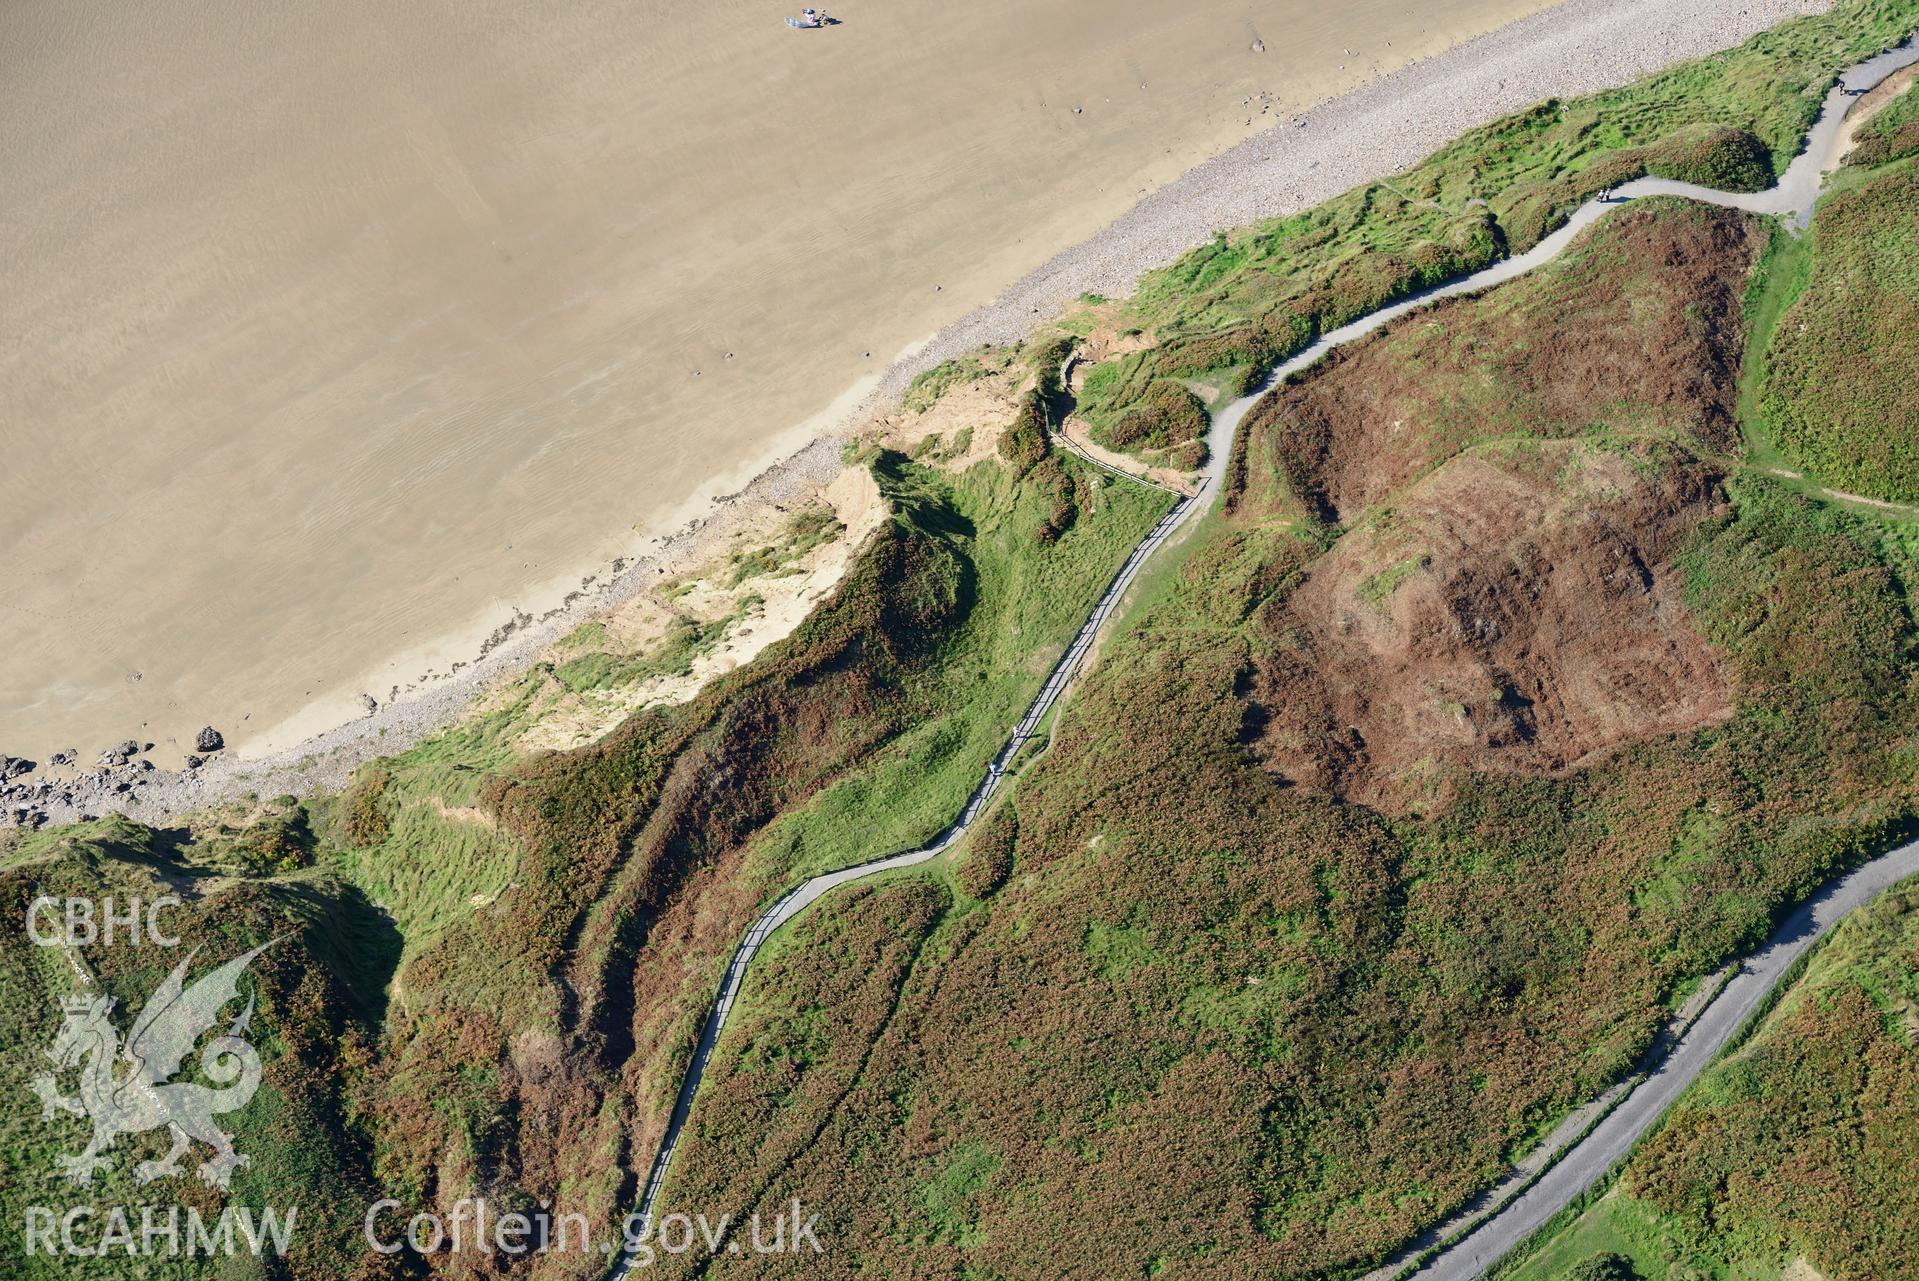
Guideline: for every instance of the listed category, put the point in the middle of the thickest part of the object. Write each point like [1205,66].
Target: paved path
[1609,1141]
[1589,1158]
[795,900]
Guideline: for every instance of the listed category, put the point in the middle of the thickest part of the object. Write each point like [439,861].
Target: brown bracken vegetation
[1203,1007]
[1518,609]
[1643,325]
[536,1031]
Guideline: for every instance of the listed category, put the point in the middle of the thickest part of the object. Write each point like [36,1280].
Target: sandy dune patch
[751,608]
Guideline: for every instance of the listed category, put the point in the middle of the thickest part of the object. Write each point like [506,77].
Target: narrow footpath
[1493,1230]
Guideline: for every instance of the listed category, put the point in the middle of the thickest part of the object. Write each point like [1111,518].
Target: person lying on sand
[808,18]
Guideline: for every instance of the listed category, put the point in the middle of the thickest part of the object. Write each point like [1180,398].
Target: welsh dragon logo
[127,1089]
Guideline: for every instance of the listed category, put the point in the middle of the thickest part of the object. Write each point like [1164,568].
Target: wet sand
[336,334]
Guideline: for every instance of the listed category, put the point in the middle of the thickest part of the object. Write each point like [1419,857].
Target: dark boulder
[209,740]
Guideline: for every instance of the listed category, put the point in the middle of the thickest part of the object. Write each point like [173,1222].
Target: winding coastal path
[1527,1204]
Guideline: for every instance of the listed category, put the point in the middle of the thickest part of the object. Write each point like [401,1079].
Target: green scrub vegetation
[1796,1146]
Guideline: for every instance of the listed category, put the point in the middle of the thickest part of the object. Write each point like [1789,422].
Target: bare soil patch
[1518,611]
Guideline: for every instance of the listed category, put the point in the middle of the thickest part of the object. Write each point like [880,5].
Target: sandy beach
[335,334]
[327,553]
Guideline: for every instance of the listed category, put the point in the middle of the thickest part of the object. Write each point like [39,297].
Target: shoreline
[678,536]
[326,759]
[1381,127]
[477,299]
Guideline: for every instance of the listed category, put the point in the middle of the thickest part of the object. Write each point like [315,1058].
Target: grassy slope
[474,882]
[1379,1011]
[830,750]
[1797,1144]
[1841,395]
[1164,423]
[1500,380]
[1892,134]
[1031,605]
[1253,296]
[319,1004]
